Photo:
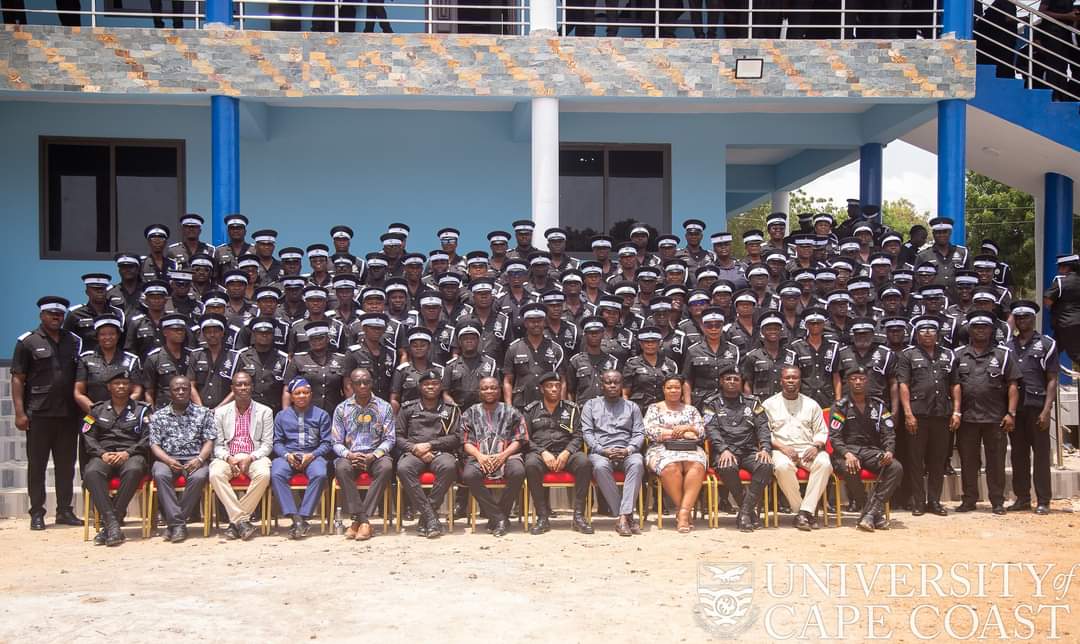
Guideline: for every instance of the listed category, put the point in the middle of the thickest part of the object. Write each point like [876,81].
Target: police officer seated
[555,443]
[116,434]
[863,437]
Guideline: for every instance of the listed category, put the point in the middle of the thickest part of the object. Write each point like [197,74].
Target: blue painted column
[224,140]
[870,175]
[1057,227]
[952,130]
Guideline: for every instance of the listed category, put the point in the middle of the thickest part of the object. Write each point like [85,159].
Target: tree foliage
[1006,215]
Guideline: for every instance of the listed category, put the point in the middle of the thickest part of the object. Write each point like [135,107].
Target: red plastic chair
[299,482]
[114,486]
[179,486]
[562,479]
[427,481]
[363,483]
[241,483]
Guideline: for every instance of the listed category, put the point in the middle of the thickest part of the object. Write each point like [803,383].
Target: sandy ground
[558,587]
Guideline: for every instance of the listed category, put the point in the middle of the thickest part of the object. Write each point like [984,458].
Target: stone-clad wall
[283,64]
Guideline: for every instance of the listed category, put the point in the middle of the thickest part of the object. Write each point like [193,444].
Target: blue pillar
[870,174]
[952,126]
[224,161]
[957,18]
[1057,227]
[224,140]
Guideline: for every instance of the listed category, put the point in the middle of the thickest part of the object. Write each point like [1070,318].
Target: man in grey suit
[244,432]
[615,433]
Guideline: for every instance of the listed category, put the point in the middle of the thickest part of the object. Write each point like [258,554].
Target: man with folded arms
[245,438]
[798,439]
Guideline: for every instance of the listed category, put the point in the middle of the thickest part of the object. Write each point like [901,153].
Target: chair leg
[386,512]
[86,515]
[837,507]
[149,529]
[659,504]
[398,517]
[450,510]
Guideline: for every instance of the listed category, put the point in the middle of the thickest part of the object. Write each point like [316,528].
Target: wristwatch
[1011,414]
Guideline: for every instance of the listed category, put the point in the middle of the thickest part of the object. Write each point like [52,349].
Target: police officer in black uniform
[738,431]
[644,373]
[706,359]
[528,358]
[428,436]
[116,433]
[206,363]
[97,366]
[143,331]
[863,435]
[156,265]
[929,396]
[760,368]
[321,366]
[127,293]
[80,318]
[1062,299]
[167,361]
[815,356]
[1037,357]
[370,352]
[555,442]
[182,251]
[406,383]
[264,363]
[877,360]
[584,369]
[988,375]
[267,299]
[42,380]
[461,378]
[225,255]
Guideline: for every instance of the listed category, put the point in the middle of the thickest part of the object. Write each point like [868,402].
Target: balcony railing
[839,19]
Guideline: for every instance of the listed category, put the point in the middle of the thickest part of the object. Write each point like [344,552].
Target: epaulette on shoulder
[153,351]
[24,336]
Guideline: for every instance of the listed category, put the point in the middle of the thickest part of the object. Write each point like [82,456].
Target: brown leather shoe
[350,532]
[364,532]
[623,526]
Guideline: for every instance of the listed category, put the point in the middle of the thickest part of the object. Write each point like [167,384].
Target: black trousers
[96,477]
[1054,54]
[889,476]
[760,475]
[409,469]
[578,464]
[972,439]
[57,437]
[381,471]
[514,476]
[928,459]
[1028,437]
[159,23]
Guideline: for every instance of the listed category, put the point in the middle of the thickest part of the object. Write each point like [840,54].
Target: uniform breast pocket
[166,369]
[583,372]
[521,359]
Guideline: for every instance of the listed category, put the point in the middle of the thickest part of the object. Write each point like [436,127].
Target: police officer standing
[42,380]
[988,375]
[80,318]
[322,367]
[929,393]
[760,368]
[644,374]
[705,360]
[528,358]
[206,364]
[863,436]
[265,364]
[462,375]
[1063,301]
[167,361]
[584,370]
[1037,357]
[97,366]
[371,353]
[555,442]
[815,356]
[225,255]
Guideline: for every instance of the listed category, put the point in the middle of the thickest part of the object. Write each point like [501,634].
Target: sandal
[682,521]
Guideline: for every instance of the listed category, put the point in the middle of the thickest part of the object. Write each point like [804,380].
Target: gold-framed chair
[427,481]
[180,486]
[114,485]
[241,483]
[298,482]
[363,483]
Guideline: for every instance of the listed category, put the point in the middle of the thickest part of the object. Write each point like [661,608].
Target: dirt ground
[557,587]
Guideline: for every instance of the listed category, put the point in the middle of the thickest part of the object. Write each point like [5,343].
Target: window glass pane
[637,163]
[147,192]
[581,196]
[635,191]
[77,220]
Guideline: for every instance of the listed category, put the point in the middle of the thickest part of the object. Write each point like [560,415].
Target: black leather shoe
[949,470]
[918,510]
[580,524]
[814,525]
[502,526]
[635,525]
[435,528]
[964,507]
[938,510]
[622,527]
[232,533]
[866,523]
[37,522]
[755,520]
[67,517]
[744,523]
[1019,506]
[1042,510]
[802,522]
[853,506]
[541,526]
[246,530]
[880,522]
[114,536]
[100,537]
[998,510]
[180,534]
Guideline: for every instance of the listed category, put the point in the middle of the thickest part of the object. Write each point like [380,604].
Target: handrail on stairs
[1059,452]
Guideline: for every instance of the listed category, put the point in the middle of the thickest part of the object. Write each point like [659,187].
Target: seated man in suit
[245,438]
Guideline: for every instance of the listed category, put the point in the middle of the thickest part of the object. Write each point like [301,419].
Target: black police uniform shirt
[695,258]
[817,366]
[159,368]
[525,365]
[955,258]
[298,340]
[738,424]
[741,336]
[583,374]
[691,330]
[94,370]
[1037,359]
[929,378]
[142,335]
[864,433]
[462,375]
[325,375]
[48,368]
[674,346]
[1003,275]
[291,313]
[962,334]
[205,375]
[568,336]
[106,429]
[583,311]
[80,321]
[984,379]
[645,381]
[879,363]
[239,317]
[267,371]
[189,307]
[702,367]
[268,274]
[225,257]
[281,335]
[406,382]
[553,431]
[510,305]
[761,371]
[150,270]
[440,426]
[380,365]
[178,252]
[130,302]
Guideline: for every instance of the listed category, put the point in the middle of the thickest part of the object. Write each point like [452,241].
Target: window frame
[111,143]
[665,148]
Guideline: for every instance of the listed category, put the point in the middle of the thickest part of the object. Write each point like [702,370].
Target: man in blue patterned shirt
[363,435]
[181,438]
[301,443]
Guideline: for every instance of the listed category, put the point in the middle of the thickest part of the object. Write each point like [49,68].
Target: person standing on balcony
[1055,52]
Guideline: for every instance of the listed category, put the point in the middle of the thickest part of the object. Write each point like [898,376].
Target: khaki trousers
[820,471]
[243,507]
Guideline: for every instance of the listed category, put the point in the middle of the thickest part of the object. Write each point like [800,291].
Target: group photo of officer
[831,354]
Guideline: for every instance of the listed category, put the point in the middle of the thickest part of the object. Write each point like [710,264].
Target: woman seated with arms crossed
[676,433]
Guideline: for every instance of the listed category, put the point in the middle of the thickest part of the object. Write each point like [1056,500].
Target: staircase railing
[1033,45]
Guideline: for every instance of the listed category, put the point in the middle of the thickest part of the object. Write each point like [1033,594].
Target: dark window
[603,189]
[97,195]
